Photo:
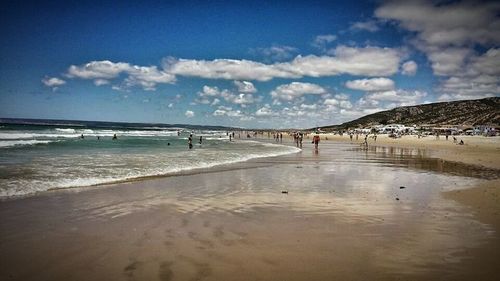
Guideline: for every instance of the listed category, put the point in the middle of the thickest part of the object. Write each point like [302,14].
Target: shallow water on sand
[348,213]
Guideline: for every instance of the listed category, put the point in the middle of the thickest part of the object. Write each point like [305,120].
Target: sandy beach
[477,150]
[389,212]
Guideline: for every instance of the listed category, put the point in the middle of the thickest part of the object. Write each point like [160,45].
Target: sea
[46,154]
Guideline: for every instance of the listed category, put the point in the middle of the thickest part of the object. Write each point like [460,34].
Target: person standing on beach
[201,139]
[301,138]
[350,136]
[316,140]
[190,141]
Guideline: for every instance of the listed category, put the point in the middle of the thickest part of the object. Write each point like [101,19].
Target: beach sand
[383,213]
[477,150]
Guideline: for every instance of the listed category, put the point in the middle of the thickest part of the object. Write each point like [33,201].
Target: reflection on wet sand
[349,214]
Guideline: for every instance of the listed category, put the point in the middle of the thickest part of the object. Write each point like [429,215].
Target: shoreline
[483,199]
[469,154]
[236,224]
[214,167]
[478,150]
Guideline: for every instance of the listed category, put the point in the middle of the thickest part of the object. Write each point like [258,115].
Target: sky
[251,64]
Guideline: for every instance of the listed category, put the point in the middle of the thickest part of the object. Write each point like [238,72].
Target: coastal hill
[466,112]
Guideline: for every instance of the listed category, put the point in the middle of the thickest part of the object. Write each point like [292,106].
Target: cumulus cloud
[401,97]
[245,87]
[211,95]
[265,111]
[449,34]
[369,25]
[275,53]
[189,114]
[368,61]
[53,82]
[488,63]
[230,69]
[97,70]
[409,68]
[294,90]
[369,85]
[443,24]
[100,82]
[101,71]
[321,41]
[227,111]
[464,88]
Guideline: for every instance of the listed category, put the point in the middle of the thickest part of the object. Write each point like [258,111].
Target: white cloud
[276,52]
[216,101]
[370,26]
[444,24]
[189,114]
[247,118]
[227,111]
[342,96]
[309,106]
[374,84]
[148,77]
[97,70]
[463,88]
[245,87]
[209,92]
[369,61]
[242,99]
[345,104]
[331,102]
[225,69]
[402,97]
[100,82]
[488,63]
[409,68]
[321,41]
[289,92]
[265,111]
[53,82]
[447,61]
[145,76]
[449,33]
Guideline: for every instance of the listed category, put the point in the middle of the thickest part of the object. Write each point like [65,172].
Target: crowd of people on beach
[298,136]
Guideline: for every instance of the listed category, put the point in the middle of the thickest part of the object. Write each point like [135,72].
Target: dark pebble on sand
[401,187]
[284,191]
[397,198]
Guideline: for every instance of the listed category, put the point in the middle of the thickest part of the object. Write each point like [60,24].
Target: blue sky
[249,64]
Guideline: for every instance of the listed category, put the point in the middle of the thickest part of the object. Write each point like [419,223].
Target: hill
[467,112]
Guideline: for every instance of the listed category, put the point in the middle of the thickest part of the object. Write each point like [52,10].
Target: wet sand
[345,217]
[477,150]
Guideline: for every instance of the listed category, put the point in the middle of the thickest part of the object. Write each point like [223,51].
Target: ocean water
[37,158]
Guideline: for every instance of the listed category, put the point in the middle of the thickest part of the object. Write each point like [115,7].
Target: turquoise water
[40,158]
